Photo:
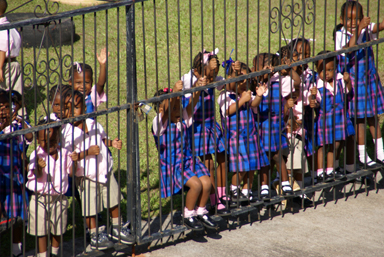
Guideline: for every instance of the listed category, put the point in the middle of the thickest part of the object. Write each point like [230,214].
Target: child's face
[76,107]
[212,69]
[175,112]
[258,66]
[61,108]
[4,111]
[241,85]
[45,136]
[349,20]
[303,50]
[328,72]
[81,80]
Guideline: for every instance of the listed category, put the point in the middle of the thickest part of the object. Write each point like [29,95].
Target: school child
[272,105]
[302,49]
[179,167]
[11,184]
[94,177]
[357,29]
[82,77]
[48,173]
[59,96]
[207,134]
[10,71]
[237,107]
[332,123]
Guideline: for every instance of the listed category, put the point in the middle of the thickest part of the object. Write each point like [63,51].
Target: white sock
[55,250]
[379,148]
[115,221]
[336,164]
[245,192]
[285,185]
[350,167]
[329,171]
[92,230]
[233,188]
[264,187]
[363,154]
[44,254]
[300,183]
[16,248]
[319,172]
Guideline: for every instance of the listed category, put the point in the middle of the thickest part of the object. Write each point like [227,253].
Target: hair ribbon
[207,55]
[227,64]
[78,67]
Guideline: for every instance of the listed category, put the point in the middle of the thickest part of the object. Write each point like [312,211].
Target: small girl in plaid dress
[332,123]
[207,134]
[272,106]
[179,167]
[357,29]
[83,79]
[243,146]
[13,198]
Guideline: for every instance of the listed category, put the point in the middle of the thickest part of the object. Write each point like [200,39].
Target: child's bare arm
[199,83]
[28,136]
[260,90]
[2,60]
[381,27]
[245,97]
[115,143]
[92,150]
[347,81]
[39,169]
[102,58]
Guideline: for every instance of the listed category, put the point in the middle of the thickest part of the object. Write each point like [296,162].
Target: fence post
[133,163]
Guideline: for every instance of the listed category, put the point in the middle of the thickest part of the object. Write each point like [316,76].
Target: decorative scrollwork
[50,8]
[290,15]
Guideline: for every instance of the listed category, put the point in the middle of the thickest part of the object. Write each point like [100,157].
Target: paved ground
[351,226]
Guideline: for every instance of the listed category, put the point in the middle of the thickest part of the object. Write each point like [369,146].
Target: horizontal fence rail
[189,115]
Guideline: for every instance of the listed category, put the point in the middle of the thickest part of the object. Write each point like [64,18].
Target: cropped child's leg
[282,168]
[350,154]
[361,148]
[221,184]
[42,242]
[376,132]
[195,187]
[264,181]
[55,242]
[201,211]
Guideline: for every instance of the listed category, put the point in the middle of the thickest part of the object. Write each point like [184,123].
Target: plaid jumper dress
[206,137]
[250,155]
[19,198]
[171,164]
[361,67]
[333,109]
[270,129]
[309,82]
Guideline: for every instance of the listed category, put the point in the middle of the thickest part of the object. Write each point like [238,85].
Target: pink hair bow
[207,55]
[166,90]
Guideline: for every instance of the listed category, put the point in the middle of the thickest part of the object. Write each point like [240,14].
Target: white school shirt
[14,40]
[190,76]
[341,36]
[57,170]
[103,161]
[163,125]
[333,89]
[224,100]
[287,84]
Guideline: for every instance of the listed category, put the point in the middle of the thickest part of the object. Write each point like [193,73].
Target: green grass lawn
[163,59]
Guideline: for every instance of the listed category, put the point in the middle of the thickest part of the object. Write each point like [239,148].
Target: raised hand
[364,23]
[102,58]
[178,86]
[261,89]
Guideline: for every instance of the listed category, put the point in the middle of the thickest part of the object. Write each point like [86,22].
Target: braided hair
[329,59]
[63,90]
[199,59]
[79,68]
[264,59]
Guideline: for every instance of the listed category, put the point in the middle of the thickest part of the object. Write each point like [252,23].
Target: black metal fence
[139,49]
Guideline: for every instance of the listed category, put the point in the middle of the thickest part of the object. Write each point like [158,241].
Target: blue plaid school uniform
[89,104]
[333,110]
[310,80]
[172,165]
[270,130]
[249,156]
[205,137]
[14,200]
[366,74]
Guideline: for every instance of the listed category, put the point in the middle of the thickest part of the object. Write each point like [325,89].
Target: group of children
[260,117]
[316,112]
[78,150]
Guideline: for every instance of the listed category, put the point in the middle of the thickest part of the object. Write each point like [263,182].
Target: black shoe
[238,196]
[102,241]
[264,194]
[207,221]
[193,223]
[251,197]
[370,165]
[287,190]
[307,202]
[124,234]
[324,177]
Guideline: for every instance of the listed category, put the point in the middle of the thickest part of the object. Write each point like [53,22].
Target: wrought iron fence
[289,118]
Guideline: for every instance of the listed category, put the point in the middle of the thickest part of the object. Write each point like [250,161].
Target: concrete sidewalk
[349,227]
